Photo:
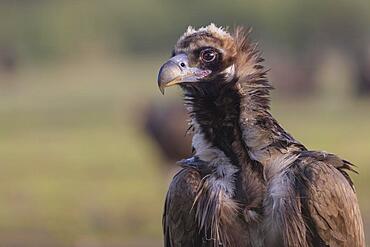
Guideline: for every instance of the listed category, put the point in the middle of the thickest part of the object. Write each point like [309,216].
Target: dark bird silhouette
[249,182]
[166,127]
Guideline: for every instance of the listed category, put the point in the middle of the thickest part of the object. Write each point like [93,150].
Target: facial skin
[177,70]
[199,57]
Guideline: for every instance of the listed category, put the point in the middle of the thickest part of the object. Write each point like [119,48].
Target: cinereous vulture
[249,182]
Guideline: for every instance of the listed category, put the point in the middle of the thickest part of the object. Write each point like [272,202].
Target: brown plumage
[249,182]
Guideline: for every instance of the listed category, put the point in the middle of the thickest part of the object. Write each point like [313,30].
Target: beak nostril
[182,65]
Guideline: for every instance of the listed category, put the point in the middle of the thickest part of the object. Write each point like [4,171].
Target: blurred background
[88,143]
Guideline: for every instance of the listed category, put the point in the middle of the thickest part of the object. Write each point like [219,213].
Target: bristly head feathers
[236,61]
[212,28]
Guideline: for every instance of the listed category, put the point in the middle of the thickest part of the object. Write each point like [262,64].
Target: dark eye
[208,55]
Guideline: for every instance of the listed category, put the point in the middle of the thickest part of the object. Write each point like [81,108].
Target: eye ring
[208,55]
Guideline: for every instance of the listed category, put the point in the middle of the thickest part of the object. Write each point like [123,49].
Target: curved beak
[177,70]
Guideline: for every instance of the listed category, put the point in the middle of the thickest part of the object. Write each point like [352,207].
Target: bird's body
[249,182]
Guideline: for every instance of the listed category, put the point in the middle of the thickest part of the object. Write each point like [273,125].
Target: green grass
[77,170]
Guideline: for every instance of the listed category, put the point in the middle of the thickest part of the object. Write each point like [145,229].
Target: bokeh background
[87,142]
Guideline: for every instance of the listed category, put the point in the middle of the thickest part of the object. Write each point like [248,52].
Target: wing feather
[333,205]
[312,202]
[179,225]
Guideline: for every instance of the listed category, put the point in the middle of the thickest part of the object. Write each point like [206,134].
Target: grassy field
[77,169]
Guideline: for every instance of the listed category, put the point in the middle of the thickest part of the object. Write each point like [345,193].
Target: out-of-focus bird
[166,126]
[249,182]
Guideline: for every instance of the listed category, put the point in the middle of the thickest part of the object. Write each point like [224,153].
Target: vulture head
[210,58]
